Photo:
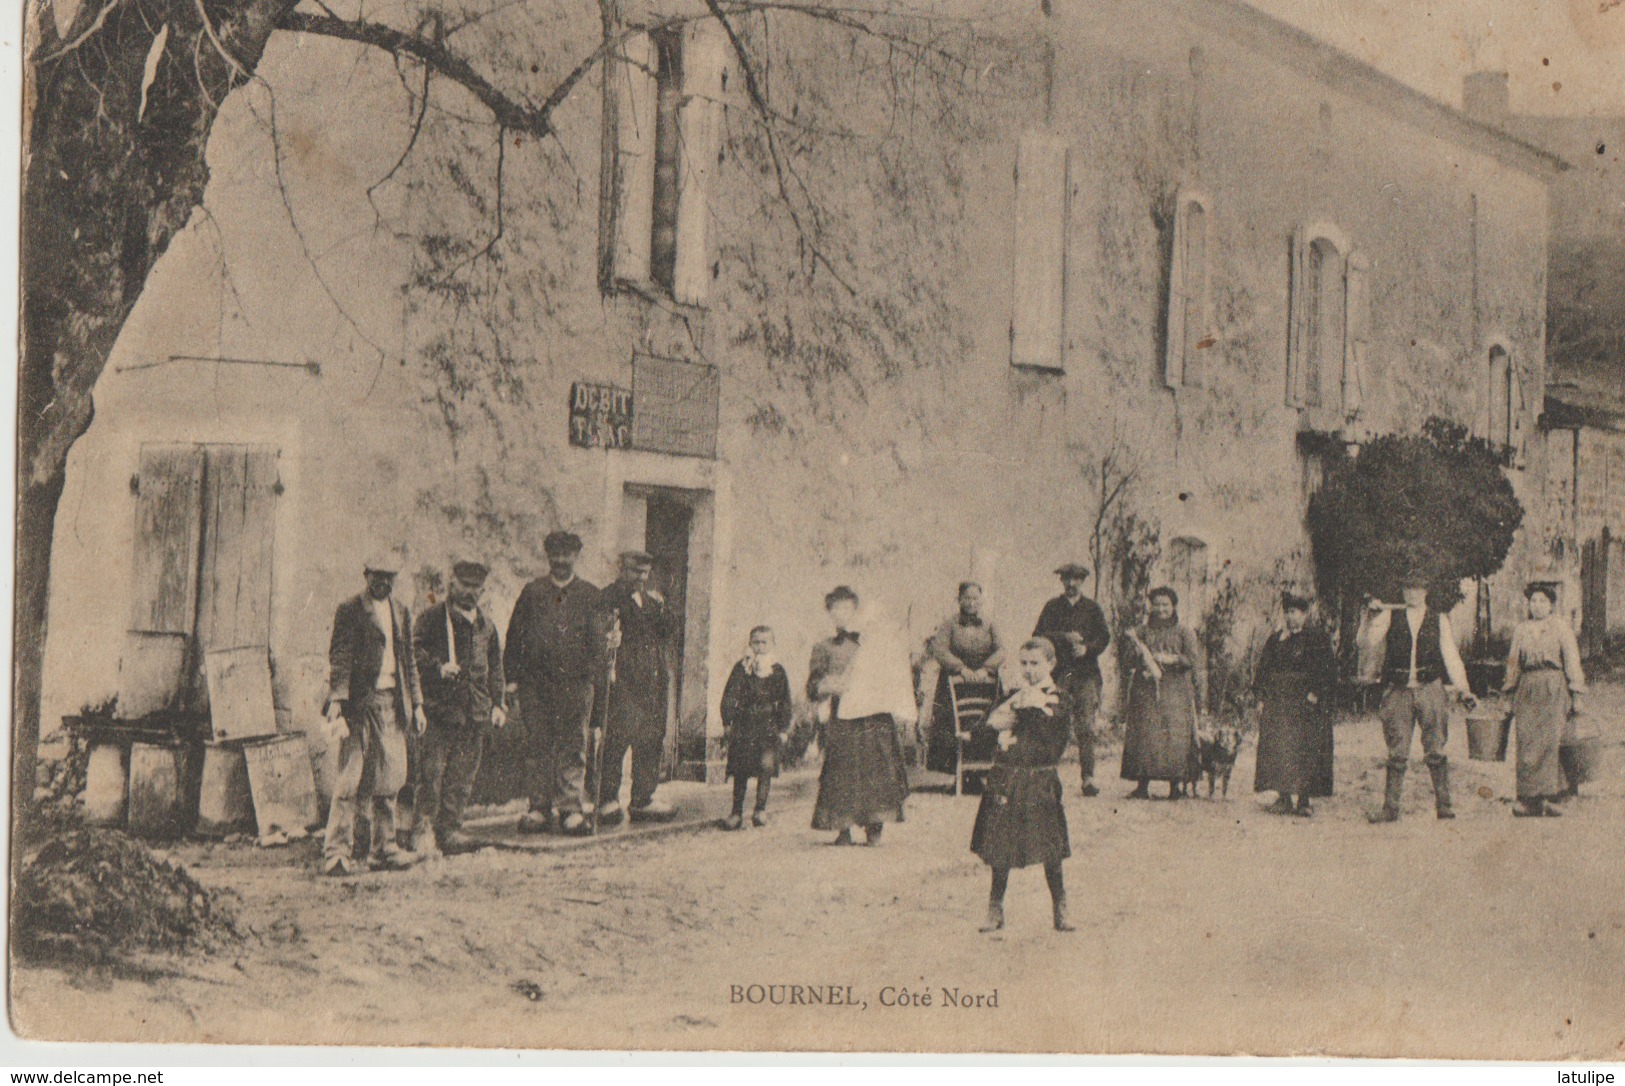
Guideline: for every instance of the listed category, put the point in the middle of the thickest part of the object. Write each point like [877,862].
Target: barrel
[1487,733]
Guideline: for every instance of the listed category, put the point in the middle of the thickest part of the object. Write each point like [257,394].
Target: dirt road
[1203,927]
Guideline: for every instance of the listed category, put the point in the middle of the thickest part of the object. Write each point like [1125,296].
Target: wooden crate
[241,705]
[282,785]
[107,784]
[164,783]
[225,803]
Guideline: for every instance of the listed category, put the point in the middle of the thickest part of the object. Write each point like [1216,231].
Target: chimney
[1485,97]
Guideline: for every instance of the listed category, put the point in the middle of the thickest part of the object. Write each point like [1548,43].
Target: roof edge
[1326,63]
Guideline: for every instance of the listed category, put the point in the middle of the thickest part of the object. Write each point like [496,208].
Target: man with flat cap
[637,699]
[373,691]
[460,666]
[1076,626]
[555,650]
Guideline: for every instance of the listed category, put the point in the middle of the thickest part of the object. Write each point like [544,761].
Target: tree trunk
[117,114]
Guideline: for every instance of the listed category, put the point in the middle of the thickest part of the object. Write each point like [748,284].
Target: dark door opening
[667,526]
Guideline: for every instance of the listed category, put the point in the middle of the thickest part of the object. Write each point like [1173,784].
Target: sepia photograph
[977,527]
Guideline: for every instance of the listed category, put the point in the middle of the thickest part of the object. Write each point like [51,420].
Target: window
[1189,311]
[201,569]
[1506,406]
[1501,393]
[1037,322]
[1188,575]
[661,151]
[1328,328]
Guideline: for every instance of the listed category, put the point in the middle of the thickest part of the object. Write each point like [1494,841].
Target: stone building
[1584,415]
[1180,247]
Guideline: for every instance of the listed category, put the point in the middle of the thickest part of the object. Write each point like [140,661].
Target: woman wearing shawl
[1293,684]
[863,689]
[1168,683]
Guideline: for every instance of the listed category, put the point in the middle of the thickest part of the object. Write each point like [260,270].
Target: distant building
[1585,351]
[1198,243]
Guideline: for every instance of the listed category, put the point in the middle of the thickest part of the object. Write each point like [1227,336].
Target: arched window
[1327,326]
[1189,308]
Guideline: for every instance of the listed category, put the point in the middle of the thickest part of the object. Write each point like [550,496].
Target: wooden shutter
[634,158]
[1357,332]
[705,57]
[1173,355]
[1520,438]
[163,579]
[1193,242]
[239,507]
[1037,321]
[1298,321]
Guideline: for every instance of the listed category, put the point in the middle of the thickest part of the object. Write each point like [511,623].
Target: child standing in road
[1021,821]
[755,718]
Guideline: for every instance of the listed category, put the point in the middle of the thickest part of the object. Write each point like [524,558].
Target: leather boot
[1390,801]
[1441,790]
[1061,923]
[995,916]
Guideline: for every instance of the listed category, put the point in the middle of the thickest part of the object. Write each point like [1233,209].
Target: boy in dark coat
[1021,820]
[755,719]
[459,658]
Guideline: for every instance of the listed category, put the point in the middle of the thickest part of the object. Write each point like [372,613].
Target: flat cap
[1073,569]
[562,543]
[637,559]
[472,572]
[383,561]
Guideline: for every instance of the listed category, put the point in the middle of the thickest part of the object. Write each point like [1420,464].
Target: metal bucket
[1487,734]
[1582,759]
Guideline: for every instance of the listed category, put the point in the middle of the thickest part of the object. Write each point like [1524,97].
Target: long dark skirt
[863,780]
[1540,708]
[1294,741]
[1021,821]
[1159,743]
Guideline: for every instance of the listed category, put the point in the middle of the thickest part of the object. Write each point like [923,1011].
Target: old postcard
[998,526]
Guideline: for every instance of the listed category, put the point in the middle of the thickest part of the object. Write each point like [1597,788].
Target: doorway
[668,523]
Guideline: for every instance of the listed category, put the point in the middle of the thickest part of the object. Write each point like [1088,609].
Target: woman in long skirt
[1545,680]
[1168,682]
[1293,684]
[863,695]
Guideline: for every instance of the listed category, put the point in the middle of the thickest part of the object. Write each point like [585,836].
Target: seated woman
[968,646]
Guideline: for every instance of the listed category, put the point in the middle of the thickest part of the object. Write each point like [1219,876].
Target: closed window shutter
[1194,323]
[163,579]
[1037,321]
[1358,333]
[1520,439]
[634,158]
[234,603]
[1173,358]
[1298,322]
[705,56]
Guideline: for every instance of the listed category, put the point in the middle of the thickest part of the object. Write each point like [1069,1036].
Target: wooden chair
[975,746]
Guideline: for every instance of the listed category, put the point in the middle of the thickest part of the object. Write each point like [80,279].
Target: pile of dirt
[91,894]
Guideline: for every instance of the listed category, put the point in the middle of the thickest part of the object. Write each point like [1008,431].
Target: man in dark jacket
[555,652]
[1076,626]
[373,689]
[460,665]
[642,627]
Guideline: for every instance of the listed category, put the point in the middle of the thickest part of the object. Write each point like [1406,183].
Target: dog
[1217,748]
